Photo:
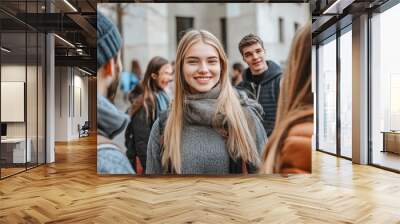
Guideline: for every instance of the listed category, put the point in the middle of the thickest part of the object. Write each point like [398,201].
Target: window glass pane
[327,97]
[385,86]
[22,86]
[31,97]
[14,153]
[41,98]
[345,94]
[313,82]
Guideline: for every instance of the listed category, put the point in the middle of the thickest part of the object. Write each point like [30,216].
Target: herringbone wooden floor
[70,191]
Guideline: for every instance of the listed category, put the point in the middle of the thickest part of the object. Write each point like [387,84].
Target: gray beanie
[108,40]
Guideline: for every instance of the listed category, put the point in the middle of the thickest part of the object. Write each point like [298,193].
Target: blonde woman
[289,147]
[210,128]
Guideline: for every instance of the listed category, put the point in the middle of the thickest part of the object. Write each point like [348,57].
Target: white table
[18,144]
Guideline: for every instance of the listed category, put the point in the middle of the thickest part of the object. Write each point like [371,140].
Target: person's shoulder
[112,161]
[296,150]
[272,63]
[244,88]
[297,141]
[274,68]
[304,129]
[248,102]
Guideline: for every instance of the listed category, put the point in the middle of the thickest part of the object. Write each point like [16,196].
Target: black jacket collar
[271,73]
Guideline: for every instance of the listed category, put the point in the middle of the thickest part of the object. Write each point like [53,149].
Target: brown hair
[136,69]
[249,40]
[295,103]
[112,89]
[237,66]
[147,89]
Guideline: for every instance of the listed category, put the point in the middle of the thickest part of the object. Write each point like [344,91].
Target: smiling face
[254,56]
[201,67]
[164,76]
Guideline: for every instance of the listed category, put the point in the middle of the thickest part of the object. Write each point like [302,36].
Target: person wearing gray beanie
[108,40]
[111,157]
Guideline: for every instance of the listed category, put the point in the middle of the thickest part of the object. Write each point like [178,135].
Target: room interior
[355,167]
[36,110]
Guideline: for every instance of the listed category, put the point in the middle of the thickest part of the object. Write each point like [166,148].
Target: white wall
[241,20]
[16,73]
[69,83]
[145,32]
[79,117]
[61,103]
[268,26]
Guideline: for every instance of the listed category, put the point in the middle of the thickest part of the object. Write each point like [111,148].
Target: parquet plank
[70,191]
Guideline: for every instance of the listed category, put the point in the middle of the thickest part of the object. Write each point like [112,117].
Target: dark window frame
[281,29]
[334,37]
[183,24]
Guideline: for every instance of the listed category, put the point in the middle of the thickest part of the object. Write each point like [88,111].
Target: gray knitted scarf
[200,108]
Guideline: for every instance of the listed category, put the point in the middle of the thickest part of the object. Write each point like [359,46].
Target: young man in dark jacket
[261,80]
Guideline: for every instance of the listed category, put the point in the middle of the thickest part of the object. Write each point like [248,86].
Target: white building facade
[151,29]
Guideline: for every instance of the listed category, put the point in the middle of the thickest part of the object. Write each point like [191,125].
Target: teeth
[203,78]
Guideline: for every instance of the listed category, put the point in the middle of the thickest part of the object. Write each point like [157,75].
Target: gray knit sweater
[203,148]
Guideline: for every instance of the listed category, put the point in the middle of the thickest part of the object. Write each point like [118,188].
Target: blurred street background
[154,29]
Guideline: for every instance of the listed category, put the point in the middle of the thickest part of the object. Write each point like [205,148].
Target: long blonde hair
[295,103]
[240,142]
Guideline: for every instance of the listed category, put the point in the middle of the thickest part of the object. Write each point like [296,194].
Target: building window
[346,94]
[223,33]
[183,24]
[281,31]
[385,89]
[296,27]
[327,96]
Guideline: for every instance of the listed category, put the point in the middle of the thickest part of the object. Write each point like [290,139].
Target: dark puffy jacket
[138,131]
[266,93]
[136,137]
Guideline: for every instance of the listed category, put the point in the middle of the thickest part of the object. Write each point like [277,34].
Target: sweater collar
[272,71]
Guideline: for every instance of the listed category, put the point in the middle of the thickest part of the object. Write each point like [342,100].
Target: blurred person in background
[136,69]
[111,157]
[170,88]
[289,147]
[261,79]
[149,101]
[129,80]
[210,128]
[237,73]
